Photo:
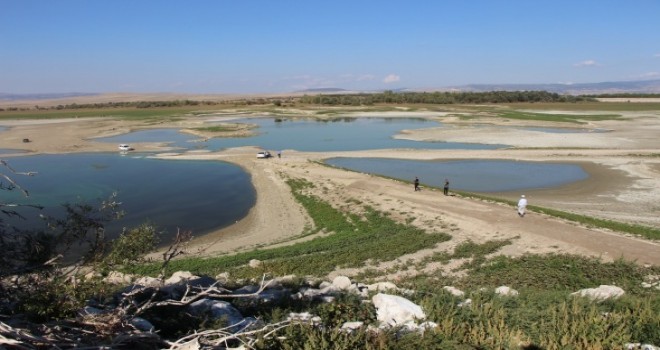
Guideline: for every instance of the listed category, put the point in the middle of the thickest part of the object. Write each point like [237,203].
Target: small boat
[125,147]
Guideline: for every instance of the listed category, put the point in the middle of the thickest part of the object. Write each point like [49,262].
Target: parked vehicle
[125,147]
[264,154]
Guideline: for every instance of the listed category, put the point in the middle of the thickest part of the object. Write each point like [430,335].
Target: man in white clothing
[522,205]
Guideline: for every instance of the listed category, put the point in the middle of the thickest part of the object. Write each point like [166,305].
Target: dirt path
[624,185]
[278,217]
[479,221]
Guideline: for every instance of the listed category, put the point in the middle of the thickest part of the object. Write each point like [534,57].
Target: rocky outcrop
[602,292]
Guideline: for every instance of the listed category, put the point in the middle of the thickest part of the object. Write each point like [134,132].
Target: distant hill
[20,97]
[638,86]
[611,87]
[323,90]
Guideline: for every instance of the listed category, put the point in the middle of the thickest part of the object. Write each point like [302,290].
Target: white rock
[351,326]
[640,346]
[147,281]
[341,282]
[454,291]
[504,290]
[178,277]
[218,309]
[254,263]
[190,345]
[304,317]
[115,277]
[603,292]
[395,310]
[382,286]
[328,299]
[465,303]
[427,326]
[222,277]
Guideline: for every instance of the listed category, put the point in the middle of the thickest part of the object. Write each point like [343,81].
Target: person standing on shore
[416,183]
[446,188]
[522,206]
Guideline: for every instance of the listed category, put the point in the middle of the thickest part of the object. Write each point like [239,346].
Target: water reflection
[470,175]
[191,195]
[338,134]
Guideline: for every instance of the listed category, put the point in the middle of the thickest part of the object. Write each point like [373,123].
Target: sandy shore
[623,163]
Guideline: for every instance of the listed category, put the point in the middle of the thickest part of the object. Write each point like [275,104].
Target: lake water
[203,196]
[193,195]
[11,151]
[343,134]
[469,175]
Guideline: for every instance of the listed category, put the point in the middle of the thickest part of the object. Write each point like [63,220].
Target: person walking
[522,206]
[416,183]
[446,188]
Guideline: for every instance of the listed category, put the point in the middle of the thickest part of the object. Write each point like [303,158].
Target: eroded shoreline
[623,185]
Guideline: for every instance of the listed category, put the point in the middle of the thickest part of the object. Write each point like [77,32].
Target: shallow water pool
[470,175]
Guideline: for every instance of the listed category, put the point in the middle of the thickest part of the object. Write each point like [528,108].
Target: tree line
[360,99]
[441,98]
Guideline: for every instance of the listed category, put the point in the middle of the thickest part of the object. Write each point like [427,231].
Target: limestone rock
[506,291]
[603,292]
[395,310]
[341,282]
[179,276]
[454,291]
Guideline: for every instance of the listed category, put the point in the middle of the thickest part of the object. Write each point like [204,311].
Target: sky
[275,46]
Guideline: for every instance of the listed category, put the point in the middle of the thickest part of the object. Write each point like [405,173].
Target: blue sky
[272,46]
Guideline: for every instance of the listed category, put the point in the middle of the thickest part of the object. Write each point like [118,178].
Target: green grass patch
[120,113]
[544,314]
[559,272]
[362,235]
[219,128]
[565,118]
[588,106]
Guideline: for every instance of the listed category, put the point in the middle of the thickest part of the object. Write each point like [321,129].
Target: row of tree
[441,98]
[625,95]
[361,99]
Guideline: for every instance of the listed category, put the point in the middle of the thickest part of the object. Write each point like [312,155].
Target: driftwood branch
[11,181]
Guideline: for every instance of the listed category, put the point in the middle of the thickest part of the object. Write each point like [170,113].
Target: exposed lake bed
[626,193]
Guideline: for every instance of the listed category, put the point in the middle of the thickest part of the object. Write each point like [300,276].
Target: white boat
[125,147]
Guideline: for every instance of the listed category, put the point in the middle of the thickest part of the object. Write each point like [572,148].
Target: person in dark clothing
[446,189]
[416,184]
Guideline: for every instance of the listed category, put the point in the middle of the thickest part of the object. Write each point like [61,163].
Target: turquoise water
[202,196]
[342,134]
[192,195]
[470,175]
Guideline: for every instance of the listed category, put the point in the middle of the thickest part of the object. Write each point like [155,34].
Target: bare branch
[11,181]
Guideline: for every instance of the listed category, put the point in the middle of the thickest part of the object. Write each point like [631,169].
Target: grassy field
[543,316]
[515,110]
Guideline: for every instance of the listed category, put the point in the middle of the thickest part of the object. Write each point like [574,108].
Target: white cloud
[392,78]
[587,63]
[650,75]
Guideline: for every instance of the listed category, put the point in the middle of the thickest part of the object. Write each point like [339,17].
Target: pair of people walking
[445,188]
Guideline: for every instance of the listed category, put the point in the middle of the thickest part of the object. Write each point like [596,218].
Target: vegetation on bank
[543,315]
[643,231]
[559,118]
[358,237]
